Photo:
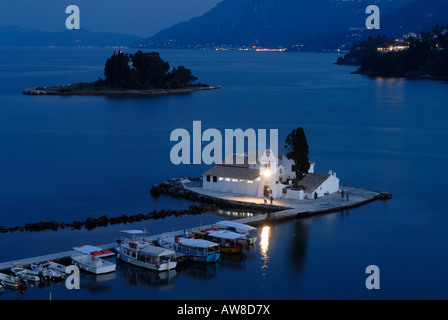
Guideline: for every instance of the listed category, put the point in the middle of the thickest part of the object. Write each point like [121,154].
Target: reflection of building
[267,175]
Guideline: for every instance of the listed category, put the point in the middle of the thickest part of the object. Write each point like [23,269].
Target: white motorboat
[26,274]
[140,252]
[57,267]
[242,228]
[93,264]
[45,273]
[11,281]
[96,251]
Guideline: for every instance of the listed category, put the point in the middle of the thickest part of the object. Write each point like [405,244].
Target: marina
[162,252]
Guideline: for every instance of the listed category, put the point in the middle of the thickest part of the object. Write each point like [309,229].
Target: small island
[423,55]
[139,74]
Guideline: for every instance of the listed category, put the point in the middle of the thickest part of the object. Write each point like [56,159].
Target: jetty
[281,209]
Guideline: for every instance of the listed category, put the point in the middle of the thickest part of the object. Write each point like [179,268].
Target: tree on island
[298,150]
[145,71]
[117,71]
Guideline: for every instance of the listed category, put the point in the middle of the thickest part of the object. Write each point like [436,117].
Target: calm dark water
[68,158]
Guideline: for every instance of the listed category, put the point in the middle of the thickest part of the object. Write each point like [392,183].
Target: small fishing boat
[57,267]
[93,264]
[242,228]
[141,252]
[45,273]
[196,249]
[26,274]
[11,281]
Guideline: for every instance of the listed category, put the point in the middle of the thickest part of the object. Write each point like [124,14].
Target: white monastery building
[268,176]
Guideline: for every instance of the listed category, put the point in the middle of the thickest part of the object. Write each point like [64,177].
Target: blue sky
[139,17]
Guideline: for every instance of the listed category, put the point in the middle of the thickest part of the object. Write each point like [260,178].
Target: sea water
[68,158]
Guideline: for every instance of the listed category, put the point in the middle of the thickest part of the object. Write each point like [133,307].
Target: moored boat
[196,249]
[57,267]
[139,251]
[45,273]
[11,281]
[244,229]
[92,264]
[229,242]
[26,274]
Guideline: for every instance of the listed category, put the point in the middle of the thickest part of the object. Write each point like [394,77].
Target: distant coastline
[87,89]
[422,56]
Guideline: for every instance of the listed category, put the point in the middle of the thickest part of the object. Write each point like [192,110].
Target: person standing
[342,195]
[348,193]
[272,199]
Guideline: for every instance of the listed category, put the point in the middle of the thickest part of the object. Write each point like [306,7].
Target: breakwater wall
[91,223]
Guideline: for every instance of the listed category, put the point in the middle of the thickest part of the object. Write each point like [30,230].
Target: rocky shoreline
[67,90]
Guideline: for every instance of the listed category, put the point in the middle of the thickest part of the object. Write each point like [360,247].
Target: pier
[281,209]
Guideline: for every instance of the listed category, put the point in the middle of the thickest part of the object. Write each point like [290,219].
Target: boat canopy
[88,249]
[153,251]
[198,243]
[223,234]
[236,225]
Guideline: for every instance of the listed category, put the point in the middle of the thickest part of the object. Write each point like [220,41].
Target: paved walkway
[334,201]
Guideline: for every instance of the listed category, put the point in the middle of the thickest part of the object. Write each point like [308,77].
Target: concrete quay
[281,209]
[295,208]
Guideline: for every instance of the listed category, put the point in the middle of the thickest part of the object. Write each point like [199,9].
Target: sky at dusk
[138,17]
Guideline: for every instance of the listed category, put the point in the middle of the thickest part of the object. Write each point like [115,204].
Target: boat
[229,241]
[93,264]
[26,274]
[141,252]
[11,281]
[242,228]
[46,273]
[96,251]
[200,250]
[57,267]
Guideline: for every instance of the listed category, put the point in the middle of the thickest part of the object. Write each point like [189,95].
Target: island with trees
[415,55]
[138,74]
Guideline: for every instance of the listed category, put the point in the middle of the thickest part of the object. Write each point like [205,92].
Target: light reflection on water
[264,248]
